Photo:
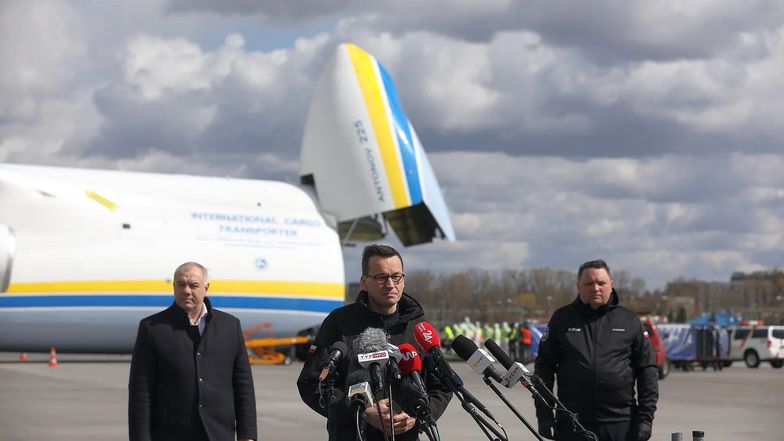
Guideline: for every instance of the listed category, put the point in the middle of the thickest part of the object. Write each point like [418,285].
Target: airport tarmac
[85,398]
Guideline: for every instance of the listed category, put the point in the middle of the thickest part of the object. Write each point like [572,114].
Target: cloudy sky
[647,133]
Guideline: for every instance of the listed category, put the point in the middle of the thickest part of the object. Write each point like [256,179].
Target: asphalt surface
[85,398]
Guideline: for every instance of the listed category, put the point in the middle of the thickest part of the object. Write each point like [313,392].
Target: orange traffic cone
[23,356]
[52,357]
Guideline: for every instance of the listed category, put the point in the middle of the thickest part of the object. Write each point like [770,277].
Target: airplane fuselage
[95,251]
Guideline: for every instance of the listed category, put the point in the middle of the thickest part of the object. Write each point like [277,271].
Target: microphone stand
[511,407]
[331,405]
[559,407]
[481,421]
[430,431]
[472,410]
[391,422]
[457,389]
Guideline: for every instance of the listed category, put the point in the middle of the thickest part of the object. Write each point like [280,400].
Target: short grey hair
[187,265]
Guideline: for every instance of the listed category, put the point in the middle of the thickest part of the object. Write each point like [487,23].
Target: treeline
[509,295]
[514,295]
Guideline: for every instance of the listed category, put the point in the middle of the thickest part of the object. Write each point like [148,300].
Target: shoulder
[341,316]
[350,310]
[624,313]
[167,315]
[565,313]
[626,317]
[223,317]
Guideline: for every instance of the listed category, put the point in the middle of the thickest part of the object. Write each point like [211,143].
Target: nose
[389,281]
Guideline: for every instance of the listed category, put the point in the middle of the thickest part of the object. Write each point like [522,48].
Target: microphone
[393,365]
[339,349]
[515,371]
[427,337]
[372,348]
[479,361]
[411,365]
[359,395]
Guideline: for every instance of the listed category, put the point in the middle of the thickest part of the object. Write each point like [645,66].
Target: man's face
[190,289]
[383,298]
[595,287]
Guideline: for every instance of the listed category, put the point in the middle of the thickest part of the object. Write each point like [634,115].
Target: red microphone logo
[427,334]
[410,355]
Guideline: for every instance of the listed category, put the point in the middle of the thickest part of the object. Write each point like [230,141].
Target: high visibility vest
[525,337]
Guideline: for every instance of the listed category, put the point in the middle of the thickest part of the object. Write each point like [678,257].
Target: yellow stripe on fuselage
[273,288]
[369,84]
[102,200]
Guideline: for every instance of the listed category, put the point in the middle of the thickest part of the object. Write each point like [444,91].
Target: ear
[207,287]
[363,283]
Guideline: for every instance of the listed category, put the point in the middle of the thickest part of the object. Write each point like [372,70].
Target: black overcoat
[178,378]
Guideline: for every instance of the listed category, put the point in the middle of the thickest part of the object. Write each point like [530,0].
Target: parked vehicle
[756,343]
[662,362]
[688,345]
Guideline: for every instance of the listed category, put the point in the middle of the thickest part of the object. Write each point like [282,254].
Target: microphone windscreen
[464,347]
[411,361]
[426,336]
[371,340]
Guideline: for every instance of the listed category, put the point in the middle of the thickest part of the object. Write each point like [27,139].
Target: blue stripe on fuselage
[404,139]
[116,301]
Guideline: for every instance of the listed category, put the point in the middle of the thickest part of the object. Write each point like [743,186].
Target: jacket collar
[181,312]
[612,303]
[408,308]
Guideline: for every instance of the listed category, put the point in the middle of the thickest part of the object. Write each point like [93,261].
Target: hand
[644,432]
[401,421]
[547,429]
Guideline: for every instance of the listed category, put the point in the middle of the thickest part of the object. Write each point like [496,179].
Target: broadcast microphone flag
[515,371]
[372,345]
[427,337]
[479,360]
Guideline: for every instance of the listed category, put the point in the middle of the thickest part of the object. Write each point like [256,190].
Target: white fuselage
[95,252]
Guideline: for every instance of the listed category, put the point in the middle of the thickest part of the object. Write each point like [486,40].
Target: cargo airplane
[85,254]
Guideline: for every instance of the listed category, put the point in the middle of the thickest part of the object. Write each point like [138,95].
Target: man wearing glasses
[381,303]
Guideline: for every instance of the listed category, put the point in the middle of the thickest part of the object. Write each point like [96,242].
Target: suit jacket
[180,380]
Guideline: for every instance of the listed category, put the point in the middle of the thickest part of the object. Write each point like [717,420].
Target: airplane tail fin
[363,157]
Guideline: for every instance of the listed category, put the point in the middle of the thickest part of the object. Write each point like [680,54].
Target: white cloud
[650,136]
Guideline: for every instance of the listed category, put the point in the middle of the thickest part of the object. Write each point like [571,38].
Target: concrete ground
[85,398]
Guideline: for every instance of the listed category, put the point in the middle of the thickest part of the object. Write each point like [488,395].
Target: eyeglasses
[381,279]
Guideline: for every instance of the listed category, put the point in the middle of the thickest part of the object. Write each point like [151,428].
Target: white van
[756,343]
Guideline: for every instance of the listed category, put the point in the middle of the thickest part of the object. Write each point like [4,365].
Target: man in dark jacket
[598,350]
[190,378]
[381,304]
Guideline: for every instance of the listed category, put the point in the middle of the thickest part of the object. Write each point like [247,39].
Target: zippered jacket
[597,357]
[346,324]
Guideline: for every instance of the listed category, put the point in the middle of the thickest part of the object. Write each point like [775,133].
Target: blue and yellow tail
[363,157]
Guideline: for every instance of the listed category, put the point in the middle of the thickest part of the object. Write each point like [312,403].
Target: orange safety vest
[525,336]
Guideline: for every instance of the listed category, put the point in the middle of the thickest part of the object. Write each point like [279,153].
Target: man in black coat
[380,304]
[599,351]
[190,378]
